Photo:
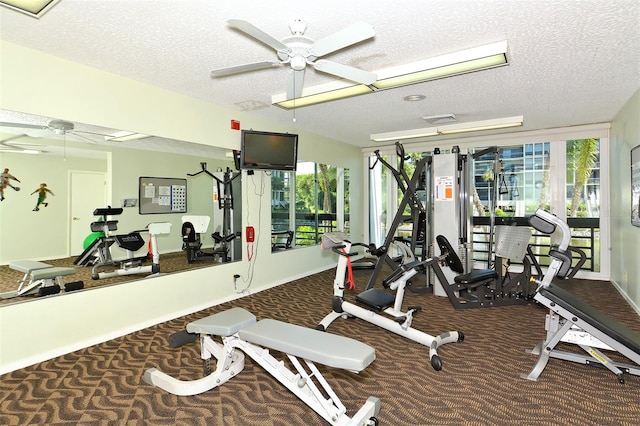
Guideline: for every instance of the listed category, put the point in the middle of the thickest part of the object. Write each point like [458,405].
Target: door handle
[75,218]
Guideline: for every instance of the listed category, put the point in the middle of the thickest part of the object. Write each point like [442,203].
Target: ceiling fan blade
[345,71]
[12,138]
[351,35]
[258,34]
[223,72]
[23,125]
[295,82]
[84,138]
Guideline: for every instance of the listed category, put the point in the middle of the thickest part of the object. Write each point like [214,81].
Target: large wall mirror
[86,167]
[308,203]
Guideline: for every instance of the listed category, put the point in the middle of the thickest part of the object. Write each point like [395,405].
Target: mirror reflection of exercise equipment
[97,253]
[226,234]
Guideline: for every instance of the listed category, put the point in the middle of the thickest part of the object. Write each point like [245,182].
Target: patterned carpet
[169,263]
[479,384]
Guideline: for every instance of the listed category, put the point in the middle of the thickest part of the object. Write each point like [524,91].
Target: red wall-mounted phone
[250,234]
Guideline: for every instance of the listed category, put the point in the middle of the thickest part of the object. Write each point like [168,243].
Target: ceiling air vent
[440,119]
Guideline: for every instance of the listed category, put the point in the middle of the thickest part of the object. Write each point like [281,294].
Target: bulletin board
[635,186]
[162,195]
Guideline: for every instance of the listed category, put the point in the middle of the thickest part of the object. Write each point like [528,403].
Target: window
[561,175]
[309,202]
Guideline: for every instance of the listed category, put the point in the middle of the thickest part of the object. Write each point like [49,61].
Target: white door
[88,192]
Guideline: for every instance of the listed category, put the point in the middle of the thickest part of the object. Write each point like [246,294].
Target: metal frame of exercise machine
[408,186]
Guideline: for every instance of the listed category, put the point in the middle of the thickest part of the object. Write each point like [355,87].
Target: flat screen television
[268,150]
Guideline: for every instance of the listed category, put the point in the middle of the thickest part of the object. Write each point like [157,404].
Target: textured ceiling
[571,62]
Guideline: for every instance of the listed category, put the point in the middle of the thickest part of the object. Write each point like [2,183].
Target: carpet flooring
[479,383]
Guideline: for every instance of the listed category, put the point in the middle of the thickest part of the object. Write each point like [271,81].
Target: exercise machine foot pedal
[376,299]
[401,319]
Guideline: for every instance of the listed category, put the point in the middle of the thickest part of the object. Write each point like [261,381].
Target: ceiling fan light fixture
[319,94]
[456,63]
[33,8]
[60,127]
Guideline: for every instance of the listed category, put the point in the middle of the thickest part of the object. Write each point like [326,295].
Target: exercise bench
[41,277]
[573,321]
[238,329]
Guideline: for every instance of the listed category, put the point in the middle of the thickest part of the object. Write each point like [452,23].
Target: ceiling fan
[298,51]
[52,128]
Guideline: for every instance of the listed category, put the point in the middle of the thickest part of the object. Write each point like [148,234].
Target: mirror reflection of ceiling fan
[52,129]
[298,51]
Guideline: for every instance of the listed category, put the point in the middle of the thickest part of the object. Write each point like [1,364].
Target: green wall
[625,238]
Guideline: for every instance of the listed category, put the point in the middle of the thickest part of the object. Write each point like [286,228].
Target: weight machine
[436,189]
[224,237]
[438,196]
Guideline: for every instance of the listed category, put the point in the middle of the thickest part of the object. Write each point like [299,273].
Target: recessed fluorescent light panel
[474,126]
[34,8]
[464,61]
[461,62]
[405,134]
[124,136]
[321,93]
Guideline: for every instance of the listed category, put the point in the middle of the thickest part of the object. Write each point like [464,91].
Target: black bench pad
[593,317]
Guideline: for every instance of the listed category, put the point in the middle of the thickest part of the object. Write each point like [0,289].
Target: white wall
[25,234]
[625,238]
[37,330]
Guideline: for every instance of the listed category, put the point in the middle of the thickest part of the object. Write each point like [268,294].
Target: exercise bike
[378,306]
[98,253]
[192,229]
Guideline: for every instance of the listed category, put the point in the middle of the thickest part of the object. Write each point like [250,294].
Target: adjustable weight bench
[571,320]
[238,329]
[577,322]
[41,277]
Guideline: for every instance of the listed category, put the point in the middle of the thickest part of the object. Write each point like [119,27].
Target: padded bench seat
[592,316]
[477,276]
[27,266]
[313,345]
[223,323]
[50,273]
